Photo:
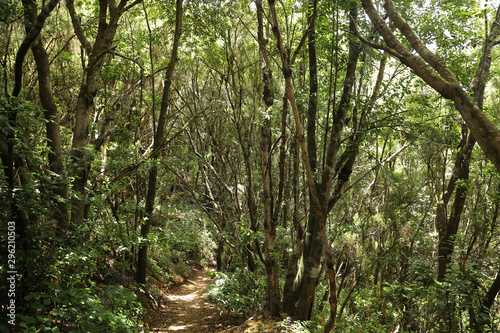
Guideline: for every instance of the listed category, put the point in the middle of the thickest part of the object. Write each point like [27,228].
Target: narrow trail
[185,309]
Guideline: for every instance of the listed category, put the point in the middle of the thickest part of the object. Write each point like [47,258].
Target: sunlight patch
[178,328]
[186,298]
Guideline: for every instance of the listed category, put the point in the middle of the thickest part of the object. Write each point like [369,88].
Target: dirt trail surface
[185,310]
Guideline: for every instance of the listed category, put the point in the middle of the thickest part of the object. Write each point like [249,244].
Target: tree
[271,209]
[434,71]
[60,192]
[94,53]
[158,144]
[9,155]
[337,166]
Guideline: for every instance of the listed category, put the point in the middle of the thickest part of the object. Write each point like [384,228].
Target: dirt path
[185,310]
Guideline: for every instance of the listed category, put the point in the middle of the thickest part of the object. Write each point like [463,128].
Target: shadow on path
[185,310]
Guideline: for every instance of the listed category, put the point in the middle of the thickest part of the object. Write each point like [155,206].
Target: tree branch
[26,44]
[77,27]
[421,68]
[430,57]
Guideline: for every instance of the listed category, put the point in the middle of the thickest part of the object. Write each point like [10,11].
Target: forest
[334,164]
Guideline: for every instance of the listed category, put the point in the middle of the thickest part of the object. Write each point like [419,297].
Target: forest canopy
[319,156]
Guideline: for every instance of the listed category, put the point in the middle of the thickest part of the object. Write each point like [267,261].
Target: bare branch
[355,32]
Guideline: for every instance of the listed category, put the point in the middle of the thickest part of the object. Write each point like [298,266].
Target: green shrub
[70,291]
[236,291]
[103,308]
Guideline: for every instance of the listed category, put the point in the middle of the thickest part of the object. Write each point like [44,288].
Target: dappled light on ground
[185,309]
[178,328]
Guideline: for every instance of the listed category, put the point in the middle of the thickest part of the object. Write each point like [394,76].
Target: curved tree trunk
[60,187]
[433,70]
[10,159]
[483,316]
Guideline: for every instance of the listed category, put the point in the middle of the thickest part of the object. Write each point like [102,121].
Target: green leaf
[30,296]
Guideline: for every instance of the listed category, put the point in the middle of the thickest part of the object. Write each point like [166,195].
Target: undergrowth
[237,291]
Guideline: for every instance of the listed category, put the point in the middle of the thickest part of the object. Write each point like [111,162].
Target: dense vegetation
[320,154]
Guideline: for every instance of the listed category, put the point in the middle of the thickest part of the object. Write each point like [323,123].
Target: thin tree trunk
[448,227]
[270,222]
[60,186]
[298,232]
[252,206]
[483,316]
[158,142]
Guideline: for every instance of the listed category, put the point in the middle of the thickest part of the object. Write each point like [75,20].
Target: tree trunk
[88,89]
[270,219]
[304,287]
[252,206]
[33,28]
[301,299]
[60,186]
[448,227]
[483,316]
[271,262]
[298,232]
[157,144]
[142,255]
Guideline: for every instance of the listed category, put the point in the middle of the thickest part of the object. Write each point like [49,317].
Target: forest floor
[183,309]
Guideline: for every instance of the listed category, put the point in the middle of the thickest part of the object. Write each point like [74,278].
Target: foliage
[288,325]
[71,288]
[9,10]
[102,308]
[236,291]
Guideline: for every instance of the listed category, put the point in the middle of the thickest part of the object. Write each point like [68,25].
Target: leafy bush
[236,291]
[68,289]
[103,308]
